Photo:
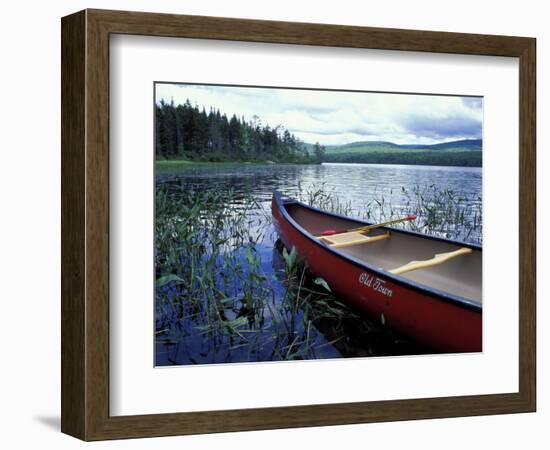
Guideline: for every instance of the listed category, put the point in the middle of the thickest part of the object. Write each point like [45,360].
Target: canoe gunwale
[407,283]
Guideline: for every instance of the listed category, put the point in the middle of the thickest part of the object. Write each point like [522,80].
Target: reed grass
[440,212]
[221,298]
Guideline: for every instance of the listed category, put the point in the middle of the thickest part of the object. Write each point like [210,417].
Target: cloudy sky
[334,117]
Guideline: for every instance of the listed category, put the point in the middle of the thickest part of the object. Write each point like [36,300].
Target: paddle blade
[411,218]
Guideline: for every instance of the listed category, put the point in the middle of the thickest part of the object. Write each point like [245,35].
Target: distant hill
[382,146]
[467,152]
[466,144]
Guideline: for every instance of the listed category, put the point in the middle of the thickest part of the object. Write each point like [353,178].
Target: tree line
[428,158]
[184,131]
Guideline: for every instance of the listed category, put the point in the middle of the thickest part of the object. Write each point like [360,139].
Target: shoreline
[175,164]
[165,164]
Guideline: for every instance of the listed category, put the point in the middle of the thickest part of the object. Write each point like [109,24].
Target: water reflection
[380,188]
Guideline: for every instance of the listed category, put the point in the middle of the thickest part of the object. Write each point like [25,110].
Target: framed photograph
[270,224]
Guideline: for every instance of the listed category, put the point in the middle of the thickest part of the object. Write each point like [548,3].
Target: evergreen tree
[187,132]
[319,151]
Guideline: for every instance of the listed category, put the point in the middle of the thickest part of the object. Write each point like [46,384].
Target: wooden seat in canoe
[436,260]
[351,238]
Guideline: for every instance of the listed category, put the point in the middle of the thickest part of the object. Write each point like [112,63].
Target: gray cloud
[333,117]
[443,128]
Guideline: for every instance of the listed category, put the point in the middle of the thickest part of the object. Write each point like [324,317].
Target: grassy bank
[432,158]
[176,164]
[167,165]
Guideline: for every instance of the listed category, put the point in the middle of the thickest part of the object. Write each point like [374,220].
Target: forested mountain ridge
[462,145]
[465,152]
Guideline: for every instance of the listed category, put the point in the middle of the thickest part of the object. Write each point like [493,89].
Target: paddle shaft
[377,225]
[383,224]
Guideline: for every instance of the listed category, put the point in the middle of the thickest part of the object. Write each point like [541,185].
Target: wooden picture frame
[85,224]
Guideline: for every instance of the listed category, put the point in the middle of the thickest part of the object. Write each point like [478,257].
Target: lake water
[447,201]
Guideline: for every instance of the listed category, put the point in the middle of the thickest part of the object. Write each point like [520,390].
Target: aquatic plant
[220,298]
[440,212]
[228,291]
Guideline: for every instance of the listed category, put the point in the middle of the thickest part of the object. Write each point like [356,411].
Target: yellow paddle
[368,227]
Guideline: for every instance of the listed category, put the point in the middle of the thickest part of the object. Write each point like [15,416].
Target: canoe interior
[460,276]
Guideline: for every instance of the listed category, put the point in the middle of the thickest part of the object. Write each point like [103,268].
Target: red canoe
[425,287]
